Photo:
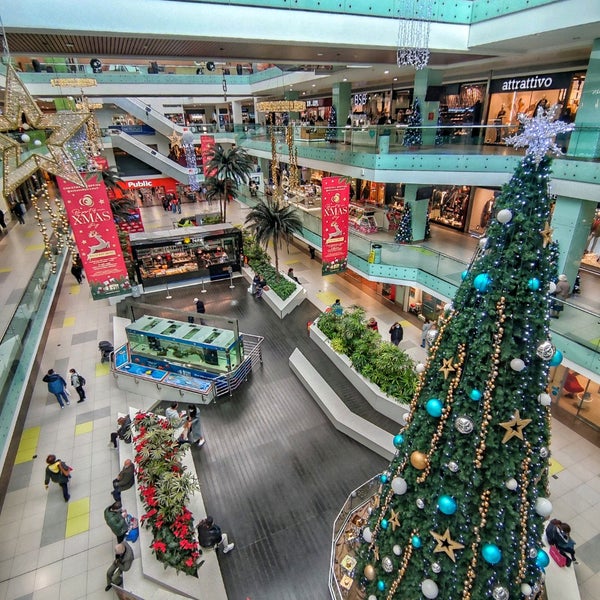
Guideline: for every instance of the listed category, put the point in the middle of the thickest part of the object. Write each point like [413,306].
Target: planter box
[381,402]
[280,307]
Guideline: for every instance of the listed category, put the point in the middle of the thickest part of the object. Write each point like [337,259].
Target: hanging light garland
[277,191]
[413,34]
[190,159]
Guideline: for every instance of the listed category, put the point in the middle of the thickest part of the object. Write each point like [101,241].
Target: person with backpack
[78,381]
[210,535]
[59,472]
[57,386]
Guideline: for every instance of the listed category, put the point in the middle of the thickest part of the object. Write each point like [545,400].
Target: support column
[292,95]
[340,98]
[571,220]
[236,112]
[429,110]
[586,143]
[419,211]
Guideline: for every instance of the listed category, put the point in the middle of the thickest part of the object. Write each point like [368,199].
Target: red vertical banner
[335,200]
[207,143]
[91,219]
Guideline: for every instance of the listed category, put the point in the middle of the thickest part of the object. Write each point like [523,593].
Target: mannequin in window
[499,120]
[543,104]
[486,213]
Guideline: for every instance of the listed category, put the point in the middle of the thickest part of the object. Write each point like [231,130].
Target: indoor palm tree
[271,220]
[231,166]
[217,189]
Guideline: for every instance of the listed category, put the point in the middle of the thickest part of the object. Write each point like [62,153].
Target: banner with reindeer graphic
[95,232]
[335,199]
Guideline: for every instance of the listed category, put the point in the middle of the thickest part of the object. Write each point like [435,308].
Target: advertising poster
[207,143]
[91,219]
[335,201]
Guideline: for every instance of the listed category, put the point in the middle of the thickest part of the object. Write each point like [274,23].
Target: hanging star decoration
[546,234]
[20,109]
[394,521]
[539,132]
[446,544]
[514,427]
[175,140]
[447,366]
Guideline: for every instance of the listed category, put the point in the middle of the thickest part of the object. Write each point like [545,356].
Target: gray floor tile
[20,476]
[85,336]
[92,415]
[589,553]
[15,296]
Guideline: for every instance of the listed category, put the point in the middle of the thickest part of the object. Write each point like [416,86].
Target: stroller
[106,349]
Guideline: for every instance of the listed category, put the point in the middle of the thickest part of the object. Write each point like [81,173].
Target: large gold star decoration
[446,544]
[546,234]
[447,366]
[394,521]
[53,158]
[175,140]
[514,427]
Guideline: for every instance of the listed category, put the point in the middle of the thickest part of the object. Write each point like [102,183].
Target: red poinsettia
[159,546]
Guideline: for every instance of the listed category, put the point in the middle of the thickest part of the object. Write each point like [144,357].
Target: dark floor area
[274,472]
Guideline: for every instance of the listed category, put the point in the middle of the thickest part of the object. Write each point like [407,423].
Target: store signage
[169,184]
[335,200]
[207,143]
[360,99]
[533,83]
[91,219]
[311,103]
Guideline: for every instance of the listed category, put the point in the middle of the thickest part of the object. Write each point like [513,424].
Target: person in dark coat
[123,561]
[57,386]
[2,221]
[559,534]
[123,432]
[210,534]
[19,212]
[77,268]
[58,472]
[396,333]
[124,480]
[77,381]
[113,515]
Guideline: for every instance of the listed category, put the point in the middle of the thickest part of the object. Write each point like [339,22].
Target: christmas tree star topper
[539,132]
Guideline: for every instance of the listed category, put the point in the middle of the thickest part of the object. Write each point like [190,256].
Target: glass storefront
[576,394]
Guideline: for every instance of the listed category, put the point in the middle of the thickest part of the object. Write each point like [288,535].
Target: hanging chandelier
[413,34]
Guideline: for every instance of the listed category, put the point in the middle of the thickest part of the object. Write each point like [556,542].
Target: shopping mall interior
[319,89]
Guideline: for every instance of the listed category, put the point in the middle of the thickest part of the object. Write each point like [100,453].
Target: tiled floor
[53,550]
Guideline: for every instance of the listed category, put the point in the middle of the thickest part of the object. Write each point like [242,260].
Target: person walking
[124,480]
[2,221]
[396,333]
[57,386]
[424,331]
[196,435]
[200,308]
[563,291]
[113,515]
[210,535]
[77,269]
[58,472]
[19,212]
[78,381]
[123,561]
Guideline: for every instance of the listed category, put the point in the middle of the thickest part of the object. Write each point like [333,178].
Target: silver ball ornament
[546,350]
[545,399]
[511,484]
[533,553]
[435,567]
[453,466]
[504,216]
[367,535]
[483,242]
[431,335]
[420,503]
[463,425]
[516,364]
[397,550]
[386,564]
[420,368]
[543,507]
[526,589]
[500,593]
[544,452]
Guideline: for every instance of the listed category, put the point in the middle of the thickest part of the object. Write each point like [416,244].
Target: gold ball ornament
[419,460]
[369,572]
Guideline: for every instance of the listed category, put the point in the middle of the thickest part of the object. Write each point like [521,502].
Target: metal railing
[227,383]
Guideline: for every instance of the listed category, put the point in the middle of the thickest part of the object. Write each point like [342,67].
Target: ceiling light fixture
[359,66]
[386,72]
[414,27]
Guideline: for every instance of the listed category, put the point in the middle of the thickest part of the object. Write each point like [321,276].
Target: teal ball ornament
[416,541]
[533,284]
[482,282]
[475,395]
[384,523]
[464,275]
[398,440]
[556,359]
[542,560]
[383,478]
[491,553]
[381,585]
[434,407]
[447,504]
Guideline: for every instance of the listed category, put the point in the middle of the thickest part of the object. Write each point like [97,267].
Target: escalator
[140,110]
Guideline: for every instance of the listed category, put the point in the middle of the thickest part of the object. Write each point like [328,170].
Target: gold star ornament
[394,521]
[514,427]
[446,544]
[51,156]
[546,234]
[447,366]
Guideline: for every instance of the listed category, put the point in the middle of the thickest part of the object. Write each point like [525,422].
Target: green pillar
[423,79]
[292,95]
[419,211]
[586,143]
[341,93]
[571,220]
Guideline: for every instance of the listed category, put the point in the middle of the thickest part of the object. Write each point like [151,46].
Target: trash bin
[376,253]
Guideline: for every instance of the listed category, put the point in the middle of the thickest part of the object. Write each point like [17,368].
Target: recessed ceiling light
[359,66]
[69,46]
[395,79]
[304,93]
[319,54]
[314,85]
[345,79]
[385,72]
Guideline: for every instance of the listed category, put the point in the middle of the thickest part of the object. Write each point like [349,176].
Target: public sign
[207,143]
[335,200]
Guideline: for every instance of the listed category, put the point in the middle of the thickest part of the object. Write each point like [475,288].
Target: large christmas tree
[461,508]
[331,132]
[412,136]
[404,232]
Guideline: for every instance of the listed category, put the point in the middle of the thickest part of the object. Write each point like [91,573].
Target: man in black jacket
[210,535]
[124,480]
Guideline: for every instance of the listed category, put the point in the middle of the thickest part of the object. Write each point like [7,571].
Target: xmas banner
[335,198]
[96,236]
[207,143]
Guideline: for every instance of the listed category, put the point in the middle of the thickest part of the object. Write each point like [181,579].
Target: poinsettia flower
[159,546]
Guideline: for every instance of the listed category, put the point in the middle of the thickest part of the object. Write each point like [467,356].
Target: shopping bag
[558,558]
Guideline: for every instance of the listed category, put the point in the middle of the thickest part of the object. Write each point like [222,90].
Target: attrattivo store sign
[532,83]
